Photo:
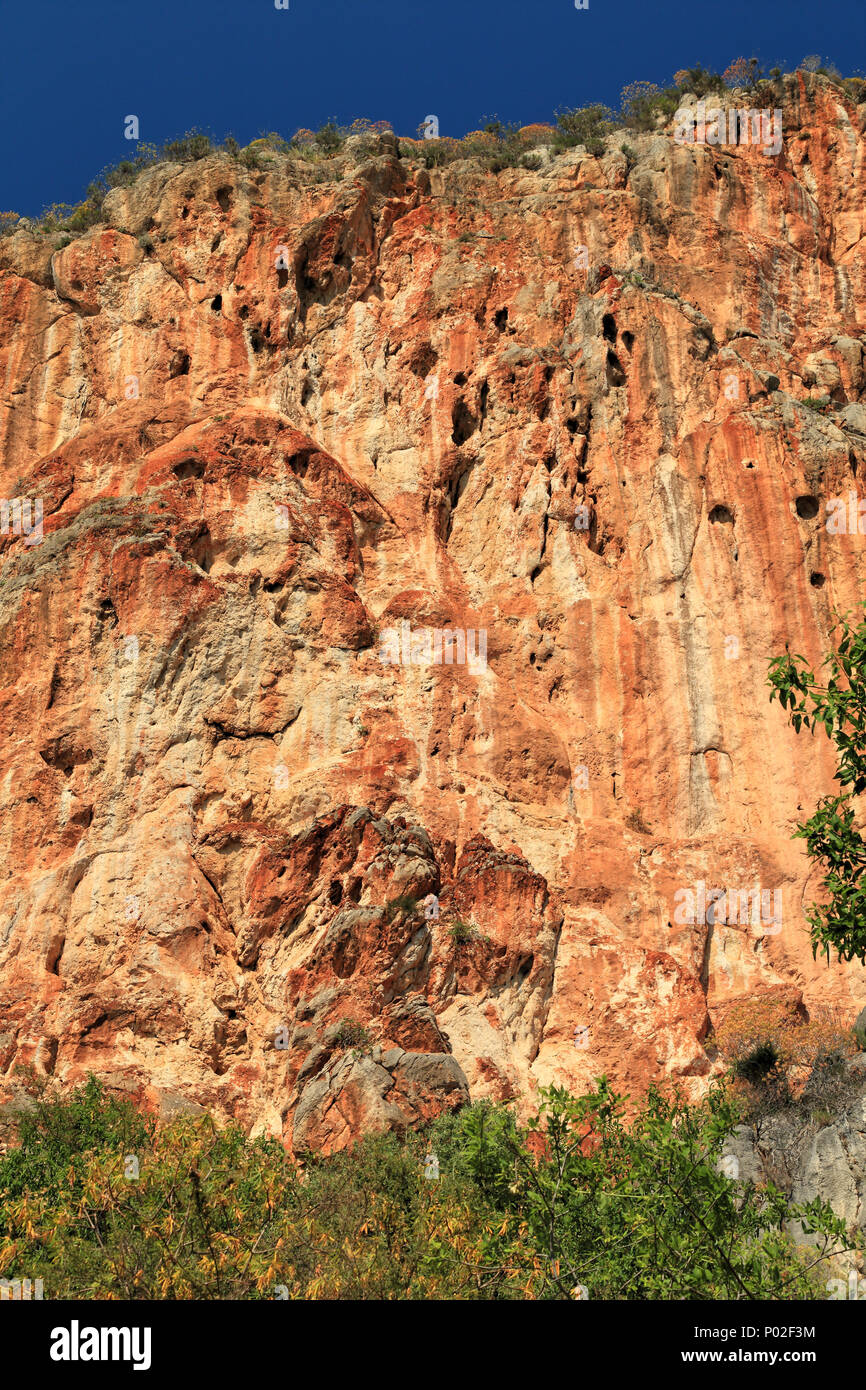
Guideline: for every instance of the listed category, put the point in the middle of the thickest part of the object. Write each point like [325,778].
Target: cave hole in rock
[107,612]
[216,243]
[224,198]
[335,893]
[201,550]
[217,304]
[807,507]
[282,278]
[817,580]
[500,318]
[354,893]
[460,379]
[524,968]
[457,484]
[582,475]
[243,311]
[613,371]
[188,468]
[179,364]
[628,340]
[721,514]
[463,422]
[571,424]
[608,328]
[423,360]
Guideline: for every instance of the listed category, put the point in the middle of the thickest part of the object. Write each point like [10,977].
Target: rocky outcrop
[279,429]
[810,1151]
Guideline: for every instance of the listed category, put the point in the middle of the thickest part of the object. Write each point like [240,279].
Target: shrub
[740,73]
[831,834]
[781,1057]
[463,932]
[329,138]
[587,125]
[700,80]
[406,903]
[635,821]
[351,1033]
[58,1134]
[637,104]
[758,1064]
[633,1209]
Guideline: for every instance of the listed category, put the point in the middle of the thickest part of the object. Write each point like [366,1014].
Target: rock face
[285,433]
[811,1153]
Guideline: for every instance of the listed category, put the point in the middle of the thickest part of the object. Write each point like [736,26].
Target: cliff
[281,423]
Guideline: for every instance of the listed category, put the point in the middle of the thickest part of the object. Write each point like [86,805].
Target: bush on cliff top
[576,1200]
[496,147]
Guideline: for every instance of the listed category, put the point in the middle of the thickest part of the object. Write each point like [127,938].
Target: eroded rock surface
[270,421]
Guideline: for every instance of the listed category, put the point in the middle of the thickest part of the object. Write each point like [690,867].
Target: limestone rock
[285,432]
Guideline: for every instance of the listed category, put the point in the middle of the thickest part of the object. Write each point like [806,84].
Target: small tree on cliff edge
[831,836]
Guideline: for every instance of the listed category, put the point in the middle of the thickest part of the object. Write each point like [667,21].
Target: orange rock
[268,419]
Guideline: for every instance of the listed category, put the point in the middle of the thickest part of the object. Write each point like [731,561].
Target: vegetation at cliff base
[579,1202]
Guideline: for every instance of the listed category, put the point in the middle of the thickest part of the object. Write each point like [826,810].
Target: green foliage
[351,1033]
[632,1209]
[479,1142]
[586,125]
[699,80]
[57,1133]
[641,1210]
[758,1064]
[817,403]
[832,838]
[406,903]
[499,146]
[642,102]
[462,932]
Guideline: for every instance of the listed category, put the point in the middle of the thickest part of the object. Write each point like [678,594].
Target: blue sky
[72,72]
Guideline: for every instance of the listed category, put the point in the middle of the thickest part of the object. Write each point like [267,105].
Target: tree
[831,835]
